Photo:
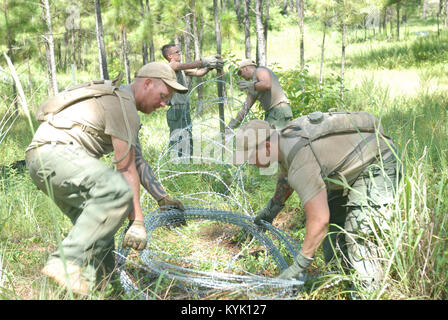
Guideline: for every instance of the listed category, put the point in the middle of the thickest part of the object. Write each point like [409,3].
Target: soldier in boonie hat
[160,70]
[345,172]
[79,126]
[245,63]
[261,85]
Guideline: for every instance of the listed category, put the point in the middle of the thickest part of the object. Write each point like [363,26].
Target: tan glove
[135,236]
[168,203]
[212,62]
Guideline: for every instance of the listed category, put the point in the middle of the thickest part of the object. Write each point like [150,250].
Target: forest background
[387,57]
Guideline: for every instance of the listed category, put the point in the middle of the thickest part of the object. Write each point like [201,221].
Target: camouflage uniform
[63,161]
[179,120]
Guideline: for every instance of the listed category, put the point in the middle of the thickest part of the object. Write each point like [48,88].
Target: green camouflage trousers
[96,198]
[357,216]
[179,122]
[279,116]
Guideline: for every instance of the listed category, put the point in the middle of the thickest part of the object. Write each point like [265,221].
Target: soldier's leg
[96,198]
[334,243]
[367,217]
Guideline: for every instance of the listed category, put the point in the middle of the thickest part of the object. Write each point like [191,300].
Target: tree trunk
[219,71]
[322,54]
[284,10]
[187,44]
[124,50]
[152,53]
[246,22]
[102,57]
[398,21]
[10,41]
[197,48]
[302,32]
[266,25]
[445,6]
[49,48]
[261,45]
[344,27]
[238,11]
[424,9]
[144,43]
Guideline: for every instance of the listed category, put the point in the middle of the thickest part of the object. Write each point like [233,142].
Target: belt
[33,152]
[179,106]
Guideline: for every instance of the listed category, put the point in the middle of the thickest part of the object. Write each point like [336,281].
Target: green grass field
[404,83]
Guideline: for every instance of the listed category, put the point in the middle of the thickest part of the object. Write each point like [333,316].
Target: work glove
[246,85]
[269,212]
[135,236]
[168,203]
[212,62]
[297,268]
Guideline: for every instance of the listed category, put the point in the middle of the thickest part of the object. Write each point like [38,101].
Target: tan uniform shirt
[304,172]
[270,98]
[103,114]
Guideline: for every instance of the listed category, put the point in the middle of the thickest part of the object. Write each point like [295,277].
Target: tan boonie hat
[248,138]
[162,71]
[245,63]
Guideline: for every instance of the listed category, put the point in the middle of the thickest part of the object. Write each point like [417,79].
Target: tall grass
[415,252]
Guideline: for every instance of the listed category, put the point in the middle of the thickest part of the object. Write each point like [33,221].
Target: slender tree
[302,32]
[261,42]
[102,57]
[49,45]
[246,23]
[220,74]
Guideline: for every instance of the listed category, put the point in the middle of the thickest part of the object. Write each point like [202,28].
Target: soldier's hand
[212,62]
[268,213]
[170,203]
[246,85]
[295,270]
[135,236]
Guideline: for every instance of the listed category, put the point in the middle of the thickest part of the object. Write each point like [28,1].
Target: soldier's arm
[245,109]
[147,178]
[317,219]
[127,168]
[283,190]
[178,66]
[197,72]
[264,82]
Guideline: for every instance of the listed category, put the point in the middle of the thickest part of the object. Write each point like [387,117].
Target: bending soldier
[262,84]
[78,127]
[344,170]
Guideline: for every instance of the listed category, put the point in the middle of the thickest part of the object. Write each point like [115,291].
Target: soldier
[344,170]
[178,115]
[262,85]
[79,126]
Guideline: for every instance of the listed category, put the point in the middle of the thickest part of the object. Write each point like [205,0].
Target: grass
[404,83]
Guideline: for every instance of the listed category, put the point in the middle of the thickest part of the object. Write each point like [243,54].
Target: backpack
[318,125]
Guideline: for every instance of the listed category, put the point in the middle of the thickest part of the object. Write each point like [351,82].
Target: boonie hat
[248,138]
[245,63]
[162,71]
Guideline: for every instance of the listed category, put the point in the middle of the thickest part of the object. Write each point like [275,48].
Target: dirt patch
[288,219]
